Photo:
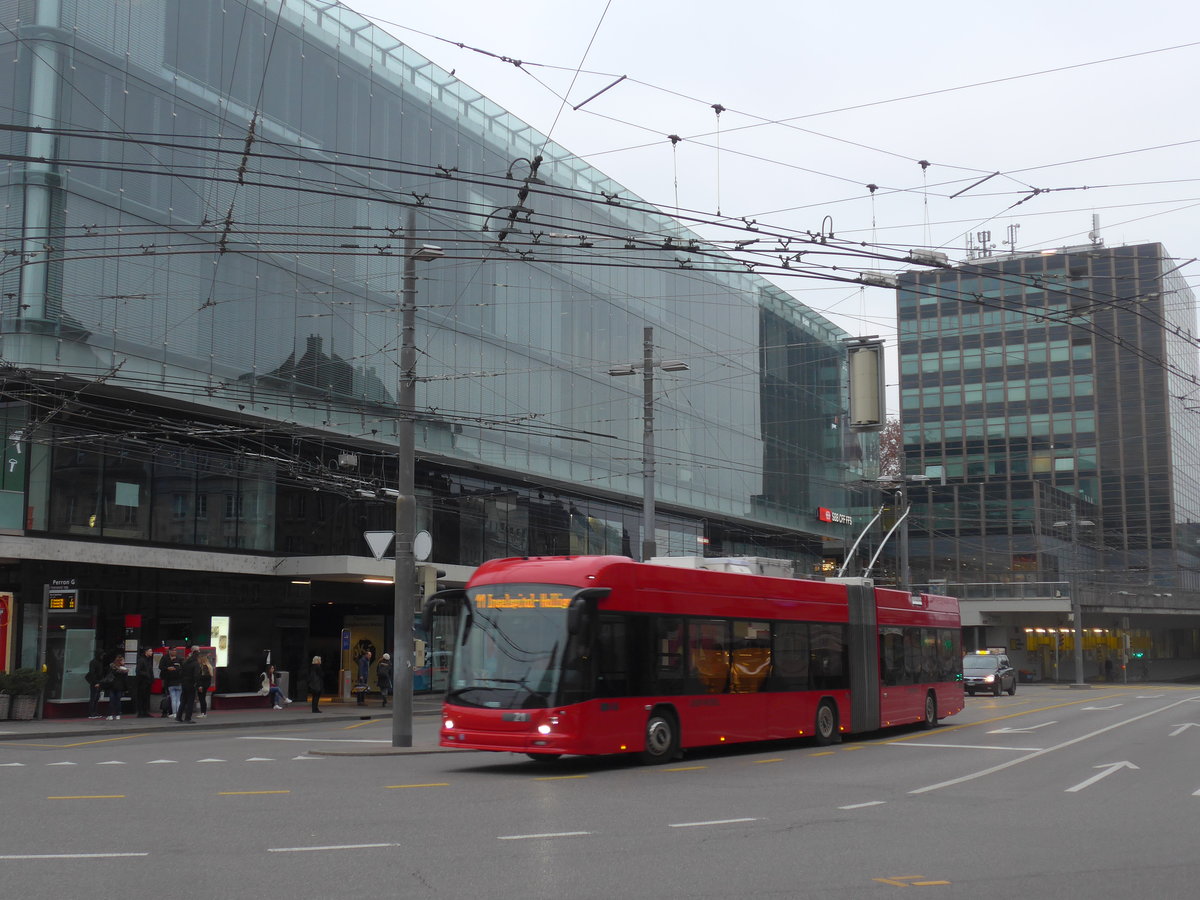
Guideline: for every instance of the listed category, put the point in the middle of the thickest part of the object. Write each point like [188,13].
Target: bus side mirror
[442,602]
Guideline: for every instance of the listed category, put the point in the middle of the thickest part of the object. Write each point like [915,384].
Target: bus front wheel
[662,738]
[825,728]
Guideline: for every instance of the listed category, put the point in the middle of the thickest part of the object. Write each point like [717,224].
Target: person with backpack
[383,675]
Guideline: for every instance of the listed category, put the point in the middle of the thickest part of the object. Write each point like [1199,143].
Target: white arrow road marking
[308,757]
[1021,730]
[157,762]
[259,759]
[12,764]
[62,764]
[863,805]
[1108,768]
[111,762]
[1110,706]
[210,759]
[1179,729]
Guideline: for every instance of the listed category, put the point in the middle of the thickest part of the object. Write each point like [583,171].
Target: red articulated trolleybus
[599,655]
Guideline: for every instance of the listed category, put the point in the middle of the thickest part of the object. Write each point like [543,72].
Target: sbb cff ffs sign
[835,518]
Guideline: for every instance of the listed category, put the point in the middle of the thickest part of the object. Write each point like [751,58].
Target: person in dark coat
[168,671]
[94,673]
[189,674]
[115,680]
[142,679]
[364,669]
[316,683]
[383,675]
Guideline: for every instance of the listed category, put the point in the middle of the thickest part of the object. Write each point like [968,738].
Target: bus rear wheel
[662,738]
[825,728]
[930,719]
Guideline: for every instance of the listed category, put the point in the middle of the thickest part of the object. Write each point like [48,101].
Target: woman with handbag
[114,681]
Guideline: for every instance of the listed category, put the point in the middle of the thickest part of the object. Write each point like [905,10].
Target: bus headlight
[448,724]
[543,729]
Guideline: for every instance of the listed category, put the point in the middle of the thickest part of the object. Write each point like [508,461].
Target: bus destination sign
[522,600]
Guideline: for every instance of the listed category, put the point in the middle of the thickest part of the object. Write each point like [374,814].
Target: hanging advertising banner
[6,613]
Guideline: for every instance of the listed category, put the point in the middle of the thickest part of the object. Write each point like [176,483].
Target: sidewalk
[297,714]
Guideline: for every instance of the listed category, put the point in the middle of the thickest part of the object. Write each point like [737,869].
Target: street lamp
[1076,607]
[648,365]
[405,580]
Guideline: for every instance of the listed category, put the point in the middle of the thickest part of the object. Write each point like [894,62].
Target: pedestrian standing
[1108,668]
[95,672]
[142,680]
[316,683]
[383,675]
[115,681]
[169,670]
[364,670]
[189,674]
[203,682]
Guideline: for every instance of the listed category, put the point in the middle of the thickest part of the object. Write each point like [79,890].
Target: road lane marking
[1179,729]
[908,881]
[1034,755]
[319,740]
[686,769]
[12,764]
[328,847]
[111,762]
[90,797]
[559,777]
[245,793]
[210,759]
[62,764]
[161,762]
[259,759]
[713,822]
[401,787]
[759,762]
[864,805]
[69,855]
[1025,730]
[534,837]
[823,753]
[963,747]
[1108,768]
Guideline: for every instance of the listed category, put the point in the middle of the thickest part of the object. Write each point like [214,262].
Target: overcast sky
[1067,95]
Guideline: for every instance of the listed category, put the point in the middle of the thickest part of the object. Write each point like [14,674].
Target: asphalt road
[1051,793]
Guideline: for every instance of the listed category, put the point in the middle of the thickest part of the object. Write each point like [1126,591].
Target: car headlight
[989,678]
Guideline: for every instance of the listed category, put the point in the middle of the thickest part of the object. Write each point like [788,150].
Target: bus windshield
[511,646]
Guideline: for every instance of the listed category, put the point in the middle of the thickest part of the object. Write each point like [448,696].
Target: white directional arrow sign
[1110,706]
[1108,768]
[1021,730]
[1180,729]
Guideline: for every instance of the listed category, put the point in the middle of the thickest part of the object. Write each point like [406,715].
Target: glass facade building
[205,211]
[1042,389]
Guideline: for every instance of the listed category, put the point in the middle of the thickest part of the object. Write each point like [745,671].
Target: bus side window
[749,657]
[708,655]
[667,676]
[789,657]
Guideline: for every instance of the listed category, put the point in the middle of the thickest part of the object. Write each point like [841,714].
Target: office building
[205,222]
[1049,397]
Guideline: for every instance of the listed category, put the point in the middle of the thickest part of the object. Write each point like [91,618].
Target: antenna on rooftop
[1094,234]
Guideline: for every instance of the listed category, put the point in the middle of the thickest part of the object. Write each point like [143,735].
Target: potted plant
[25,687]
[5,697]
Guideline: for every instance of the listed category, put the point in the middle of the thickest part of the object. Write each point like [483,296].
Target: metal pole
[1076,606]
[406,501]
[905,575]
[649,545]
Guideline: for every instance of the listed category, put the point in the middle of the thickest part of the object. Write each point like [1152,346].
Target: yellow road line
[759,762]
[243,793]
[90,797]
[361,724]
[686,769]
[559,777]
[76,744]
[823,753]
[400,787]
